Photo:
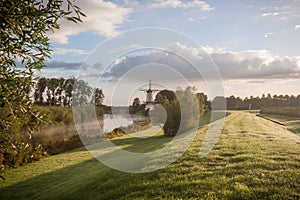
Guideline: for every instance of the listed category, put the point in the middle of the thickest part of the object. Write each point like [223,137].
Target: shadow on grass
[142,145]
[89,179]
[239,168]
[72,182]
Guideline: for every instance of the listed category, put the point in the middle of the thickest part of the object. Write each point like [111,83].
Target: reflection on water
[114,121]
[110,122]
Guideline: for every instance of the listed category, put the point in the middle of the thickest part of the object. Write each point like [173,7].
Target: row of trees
[237,103]
[59,92]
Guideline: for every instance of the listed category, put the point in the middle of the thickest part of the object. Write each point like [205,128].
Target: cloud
[270,14]
[102,18]
[202,5]
[131,3]
[62,51]
[233,65]
[283,10]
[191,19]
[297,26]
[267,35]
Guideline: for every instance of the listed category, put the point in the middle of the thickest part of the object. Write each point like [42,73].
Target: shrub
[20,153]
[56,147]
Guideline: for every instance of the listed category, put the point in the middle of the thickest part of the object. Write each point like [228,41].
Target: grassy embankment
[287,116]
[253,159]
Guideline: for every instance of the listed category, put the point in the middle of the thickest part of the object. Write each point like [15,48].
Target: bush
[56,147]
[117,132]
[20,153]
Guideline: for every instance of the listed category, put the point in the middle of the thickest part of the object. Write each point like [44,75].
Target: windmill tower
[149,96]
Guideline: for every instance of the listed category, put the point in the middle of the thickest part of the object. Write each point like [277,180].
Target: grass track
[253,159]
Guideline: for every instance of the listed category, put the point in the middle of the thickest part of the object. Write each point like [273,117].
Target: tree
[137,107]
[181,110]
[99,96]
[136,102]
[39,90]
[68,87]
[170,95]
[24,46]
[202,102]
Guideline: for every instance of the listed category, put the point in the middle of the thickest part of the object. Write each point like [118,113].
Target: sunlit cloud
[267,35]
[270,14]
[202,5]
[103,18]
[297,26]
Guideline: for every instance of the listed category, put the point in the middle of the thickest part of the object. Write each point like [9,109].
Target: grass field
[291,123]
[253,159]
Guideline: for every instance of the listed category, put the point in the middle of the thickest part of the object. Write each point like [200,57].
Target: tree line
[253,103]
[59,92]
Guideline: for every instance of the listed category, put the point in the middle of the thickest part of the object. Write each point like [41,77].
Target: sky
[254,45]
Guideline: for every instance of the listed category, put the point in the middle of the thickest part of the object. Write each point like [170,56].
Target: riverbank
[253,159]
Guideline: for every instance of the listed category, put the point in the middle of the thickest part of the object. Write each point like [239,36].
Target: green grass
[253,159]
[293,111]
[291,123]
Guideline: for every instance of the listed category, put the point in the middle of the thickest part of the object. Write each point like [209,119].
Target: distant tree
[202,102]
[137,107]
[52,86]
[219,103]
[82,93]
[136,102]
[68,88]
[59,93]
[39,91]
[99,96]
[233,103]
[286,97]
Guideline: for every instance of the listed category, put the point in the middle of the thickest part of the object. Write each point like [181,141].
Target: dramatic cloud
[251,64]
[202,5]
[102,18]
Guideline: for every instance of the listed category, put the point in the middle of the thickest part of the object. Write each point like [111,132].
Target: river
[110,122]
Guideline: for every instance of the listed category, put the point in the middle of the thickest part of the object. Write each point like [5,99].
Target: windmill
[149,96]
